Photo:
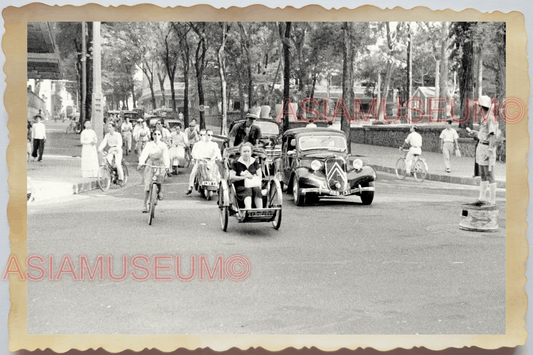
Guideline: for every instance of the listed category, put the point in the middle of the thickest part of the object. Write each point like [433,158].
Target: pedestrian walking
[89,155]
[449,144]
[126,130]
[38,136]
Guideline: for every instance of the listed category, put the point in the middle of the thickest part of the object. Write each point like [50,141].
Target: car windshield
[336,143]
[268,127]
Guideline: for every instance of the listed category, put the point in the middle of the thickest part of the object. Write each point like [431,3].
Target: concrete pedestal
[479,217]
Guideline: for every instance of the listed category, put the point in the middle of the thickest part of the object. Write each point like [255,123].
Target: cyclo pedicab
[228,203]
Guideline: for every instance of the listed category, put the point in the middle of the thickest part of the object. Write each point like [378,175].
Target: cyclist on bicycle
[155,153]
[415,140]
[113,140]
[141,133]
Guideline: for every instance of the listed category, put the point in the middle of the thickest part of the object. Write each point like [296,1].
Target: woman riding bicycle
[155,153]
[114,141]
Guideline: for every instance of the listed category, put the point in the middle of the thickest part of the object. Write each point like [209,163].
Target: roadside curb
[81,187]
[442,178]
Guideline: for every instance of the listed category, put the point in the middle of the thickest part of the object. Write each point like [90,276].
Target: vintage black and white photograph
[259,178]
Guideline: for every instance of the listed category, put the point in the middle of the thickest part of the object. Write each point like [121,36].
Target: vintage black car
[315,163]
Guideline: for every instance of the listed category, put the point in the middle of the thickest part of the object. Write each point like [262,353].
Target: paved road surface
[399,266]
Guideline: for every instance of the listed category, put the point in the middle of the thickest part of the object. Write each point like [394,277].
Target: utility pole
[97,109]
[83,114]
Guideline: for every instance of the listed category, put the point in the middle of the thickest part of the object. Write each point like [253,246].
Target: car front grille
[336,174]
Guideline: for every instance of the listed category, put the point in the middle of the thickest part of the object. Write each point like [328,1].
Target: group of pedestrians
[485,155]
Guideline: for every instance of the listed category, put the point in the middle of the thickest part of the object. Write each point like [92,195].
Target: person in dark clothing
[245,132]
[245,174]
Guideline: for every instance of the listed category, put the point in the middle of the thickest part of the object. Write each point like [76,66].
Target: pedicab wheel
[296,193]
[420,170]
[153,201]
[224,217]
[104,178]
[275,199]
[223,210]
[401,171]
[208,195]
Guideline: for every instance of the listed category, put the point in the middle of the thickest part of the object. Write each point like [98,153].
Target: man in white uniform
[415,140]
[38,136]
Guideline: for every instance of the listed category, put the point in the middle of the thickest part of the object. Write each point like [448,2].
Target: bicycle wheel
[420,170]
[153,202]
[401,172]
[104,178]
[77,130]
[126,173]
[275,200]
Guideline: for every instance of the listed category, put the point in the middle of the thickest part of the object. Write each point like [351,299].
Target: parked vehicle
[315,163]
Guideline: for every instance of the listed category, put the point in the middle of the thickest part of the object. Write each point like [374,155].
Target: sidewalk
[462,169]
[60,175]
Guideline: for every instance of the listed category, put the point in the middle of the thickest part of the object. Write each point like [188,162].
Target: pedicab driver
[114,141]
[204,149]
[415,140]
[246,131]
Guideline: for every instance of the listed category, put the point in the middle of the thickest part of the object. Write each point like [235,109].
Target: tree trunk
[245,45]
[199,65]
[466,78]
[221,71]
[161,79]
[286,75]
[348,52]
[89,68]
[409,69]
[443,89]
[437,88]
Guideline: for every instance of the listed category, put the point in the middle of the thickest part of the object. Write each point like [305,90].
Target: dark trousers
[38,144]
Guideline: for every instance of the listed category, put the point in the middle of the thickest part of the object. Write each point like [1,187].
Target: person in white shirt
[126,130]
[414,139]
[38,136]
[448,138]
[113,140]
[204,149]
[141,133]
[165,138]
[155,153]
[177,149]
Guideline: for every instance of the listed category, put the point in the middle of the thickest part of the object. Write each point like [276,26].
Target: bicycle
[419,168]
[107,174]
[74,127]
[153,193]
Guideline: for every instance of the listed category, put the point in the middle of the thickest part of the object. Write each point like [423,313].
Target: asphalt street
[398,266]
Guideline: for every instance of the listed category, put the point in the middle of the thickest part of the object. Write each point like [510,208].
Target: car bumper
[321,191]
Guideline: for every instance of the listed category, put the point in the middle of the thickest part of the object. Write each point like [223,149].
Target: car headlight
[357,164]
[316,165]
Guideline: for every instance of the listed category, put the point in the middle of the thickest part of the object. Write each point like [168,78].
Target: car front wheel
[296,193]
[367,196]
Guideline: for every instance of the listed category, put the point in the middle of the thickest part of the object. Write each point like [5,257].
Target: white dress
[89,156]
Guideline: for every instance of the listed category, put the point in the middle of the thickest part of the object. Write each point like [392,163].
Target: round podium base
[479,217]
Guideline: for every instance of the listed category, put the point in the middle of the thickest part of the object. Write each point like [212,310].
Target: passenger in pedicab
[245,174]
